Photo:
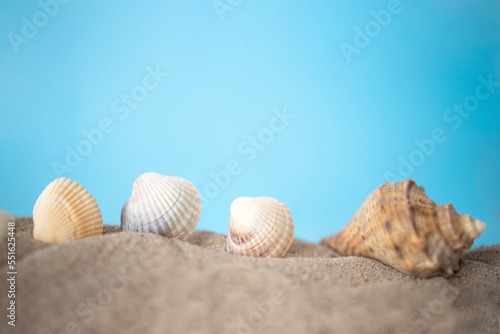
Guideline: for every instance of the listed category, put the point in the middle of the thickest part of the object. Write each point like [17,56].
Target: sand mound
[141,283]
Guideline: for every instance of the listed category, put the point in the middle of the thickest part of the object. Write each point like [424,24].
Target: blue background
[355,117]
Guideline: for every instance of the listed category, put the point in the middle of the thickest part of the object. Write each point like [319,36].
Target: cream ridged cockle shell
[65,211]
[403,228]
[164,205]
[259,227]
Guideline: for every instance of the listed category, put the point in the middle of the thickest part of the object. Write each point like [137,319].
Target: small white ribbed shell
[65,211]
[259,227]
[164,205]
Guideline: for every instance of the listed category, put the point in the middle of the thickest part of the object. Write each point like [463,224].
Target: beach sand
[142,283]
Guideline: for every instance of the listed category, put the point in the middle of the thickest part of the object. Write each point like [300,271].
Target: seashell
[5,218]
[164,205]
[403,228]
[259,227]
[65,211]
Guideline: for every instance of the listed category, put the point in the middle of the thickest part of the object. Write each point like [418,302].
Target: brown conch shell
[403,228]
